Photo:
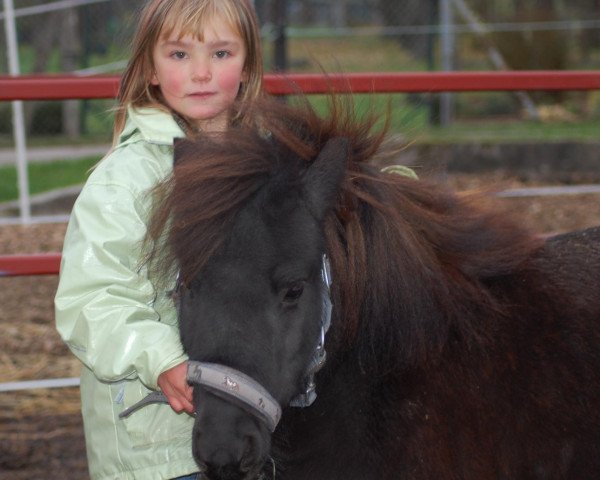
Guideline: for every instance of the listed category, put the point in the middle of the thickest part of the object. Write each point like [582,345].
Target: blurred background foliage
[93,36]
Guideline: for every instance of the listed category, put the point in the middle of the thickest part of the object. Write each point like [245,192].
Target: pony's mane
[215,175]
[410,259]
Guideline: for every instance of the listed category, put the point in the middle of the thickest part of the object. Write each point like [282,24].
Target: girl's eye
[178,55]
[222,54]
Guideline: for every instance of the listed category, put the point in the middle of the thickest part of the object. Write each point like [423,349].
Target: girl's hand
[173,383]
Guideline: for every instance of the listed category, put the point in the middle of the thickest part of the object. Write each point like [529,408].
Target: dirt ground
[41,431]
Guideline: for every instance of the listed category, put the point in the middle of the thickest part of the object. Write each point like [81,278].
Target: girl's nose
[201,72]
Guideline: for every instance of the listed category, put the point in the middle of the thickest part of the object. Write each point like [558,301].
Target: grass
[408,120]
[45,176]
[518,131]
[7,141]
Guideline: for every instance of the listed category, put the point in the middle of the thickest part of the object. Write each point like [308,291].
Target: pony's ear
[182,147]
[324,177]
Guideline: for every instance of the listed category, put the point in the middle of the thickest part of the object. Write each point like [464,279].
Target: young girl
[195,65]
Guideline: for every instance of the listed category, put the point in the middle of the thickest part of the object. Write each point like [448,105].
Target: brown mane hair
[400,248]
[215,174]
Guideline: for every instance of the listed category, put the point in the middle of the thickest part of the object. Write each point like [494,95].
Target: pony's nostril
[225,464]
[249,457]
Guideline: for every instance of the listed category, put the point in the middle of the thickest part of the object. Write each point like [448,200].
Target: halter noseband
[232,384]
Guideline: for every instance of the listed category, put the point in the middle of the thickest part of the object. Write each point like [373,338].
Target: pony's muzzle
[228,442]
[223,463]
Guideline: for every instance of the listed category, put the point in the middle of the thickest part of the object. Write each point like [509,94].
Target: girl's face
[201,80]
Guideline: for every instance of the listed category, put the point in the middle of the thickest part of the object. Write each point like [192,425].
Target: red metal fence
[63,87]
[72,87]
[29,264]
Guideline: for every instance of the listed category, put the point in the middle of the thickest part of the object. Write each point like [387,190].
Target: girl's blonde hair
[159,19]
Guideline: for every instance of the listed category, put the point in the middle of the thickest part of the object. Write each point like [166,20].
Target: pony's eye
[293,293]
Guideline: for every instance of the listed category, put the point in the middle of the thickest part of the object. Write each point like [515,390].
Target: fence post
[280,59]
[448,42]
[18,117]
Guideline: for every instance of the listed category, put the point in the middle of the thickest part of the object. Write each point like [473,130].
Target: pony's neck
[411,267]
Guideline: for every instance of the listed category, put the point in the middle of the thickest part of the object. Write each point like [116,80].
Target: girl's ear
[154,79]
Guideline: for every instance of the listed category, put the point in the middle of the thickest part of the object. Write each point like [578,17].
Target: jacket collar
[152,125]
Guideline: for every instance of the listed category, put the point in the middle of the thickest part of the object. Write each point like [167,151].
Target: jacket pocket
[154,423]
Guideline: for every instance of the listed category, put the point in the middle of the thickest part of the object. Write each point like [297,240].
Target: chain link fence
[92,36]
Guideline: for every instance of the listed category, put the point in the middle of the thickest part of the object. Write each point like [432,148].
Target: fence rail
[66,87]
[29,264]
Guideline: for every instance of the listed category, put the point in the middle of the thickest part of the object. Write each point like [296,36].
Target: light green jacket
[113,318]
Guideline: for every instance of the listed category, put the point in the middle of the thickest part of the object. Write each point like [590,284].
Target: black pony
[462,346]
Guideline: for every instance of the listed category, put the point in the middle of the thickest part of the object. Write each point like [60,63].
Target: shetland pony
[462,345]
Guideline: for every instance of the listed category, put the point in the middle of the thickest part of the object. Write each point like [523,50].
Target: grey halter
[306,398]
[254,398]
[233,384]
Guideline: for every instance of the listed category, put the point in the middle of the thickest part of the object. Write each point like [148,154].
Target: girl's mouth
[201,94]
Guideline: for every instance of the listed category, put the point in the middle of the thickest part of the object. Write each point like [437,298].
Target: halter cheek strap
[309,395]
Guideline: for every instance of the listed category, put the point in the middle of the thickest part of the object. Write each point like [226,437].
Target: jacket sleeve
[105,302]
